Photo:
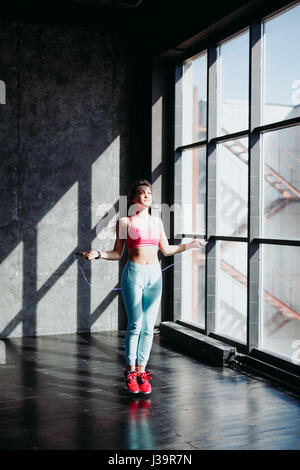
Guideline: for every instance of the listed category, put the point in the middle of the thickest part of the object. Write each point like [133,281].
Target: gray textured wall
[64,150]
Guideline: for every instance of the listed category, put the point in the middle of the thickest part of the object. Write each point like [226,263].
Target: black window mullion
[201,143]
[210,282]
[254,207]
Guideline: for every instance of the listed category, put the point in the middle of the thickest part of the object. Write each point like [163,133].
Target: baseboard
[200,346]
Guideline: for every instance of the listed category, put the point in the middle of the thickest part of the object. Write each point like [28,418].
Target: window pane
[280,313]
[281,97]
[231,295]
[190,191]
[281,183]
[194,100]
[232,188]
[189,283]
[233,85]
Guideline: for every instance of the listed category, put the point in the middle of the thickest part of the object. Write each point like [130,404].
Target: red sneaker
[143,381]
[131,383]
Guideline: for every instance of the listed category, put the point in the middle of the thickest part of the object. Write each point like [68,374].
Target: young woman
[141,281]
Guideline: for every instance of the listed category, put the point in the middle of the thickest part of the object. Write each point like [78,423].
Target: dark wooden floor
[67,392]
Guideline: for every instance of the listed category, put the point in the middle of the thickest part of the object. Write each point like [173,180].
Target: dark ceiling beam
[194,23]
[216,29]
[167,28]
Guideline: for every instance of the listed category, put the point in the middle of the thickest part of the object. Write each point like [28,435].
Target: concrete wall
[64,134]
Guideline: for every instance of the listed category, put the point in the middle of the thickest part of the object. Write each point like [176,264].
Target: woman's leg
[141,289]
[132,296]
[150,303]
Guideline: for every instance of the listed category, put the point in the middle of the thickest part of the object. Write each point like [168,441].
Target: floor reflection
[138,424]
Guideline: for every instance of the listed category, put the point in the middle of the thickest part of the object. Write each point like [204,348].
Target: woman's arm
[170,250]
[117,252]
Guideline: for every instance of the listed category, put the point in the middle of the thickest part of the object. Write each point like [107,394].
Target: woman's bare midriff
[143,254]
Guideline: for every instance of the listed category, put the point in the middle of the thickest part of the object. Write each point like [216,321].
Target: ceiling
[153,25]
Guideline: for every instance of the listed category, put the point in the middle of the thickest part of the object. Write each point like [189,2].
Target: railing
[285,310]
[282,162]
[283,278]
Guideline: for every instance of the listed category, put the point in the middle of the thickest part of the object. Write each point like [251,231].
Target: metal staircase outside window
[288,194]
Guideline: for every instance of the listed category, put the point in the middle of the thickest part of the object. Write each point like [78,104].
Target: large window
[233,85]
[281,183]
[280,310]
[194,99]
[237,183]
[232,188]
[190,194]
[281,78]
[231,290]
[190,276]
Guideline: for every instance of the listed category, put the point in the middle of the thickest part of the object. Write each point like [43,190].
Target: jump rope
[116,288]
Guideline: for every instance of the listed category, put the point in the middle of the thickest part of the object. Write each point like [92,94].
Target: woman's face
[143,197]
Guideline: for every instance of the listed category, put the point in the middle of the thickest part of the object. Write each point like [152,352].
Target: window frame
[254,134]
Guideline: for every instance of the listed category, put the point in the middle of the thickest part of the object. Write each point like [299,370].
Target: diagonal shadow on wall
[67,106]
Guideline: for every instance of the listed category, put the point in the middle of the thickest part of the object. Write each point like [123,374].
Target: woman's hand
[198,243]
[89,255]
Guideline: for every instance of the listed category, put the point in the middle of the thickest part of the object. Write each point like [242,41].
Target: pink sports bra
[139,237]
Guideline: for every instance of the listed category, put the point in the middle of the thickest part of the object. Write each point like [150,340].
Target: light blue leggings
[141,289]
